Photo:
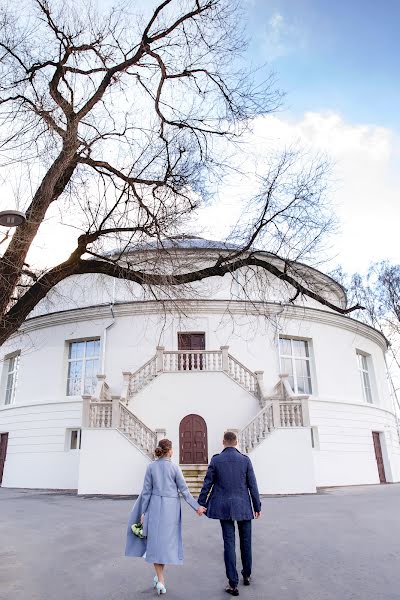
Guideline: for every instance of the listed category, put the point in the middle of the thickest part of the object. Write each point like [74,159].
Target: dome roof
[193,242]
[184,242]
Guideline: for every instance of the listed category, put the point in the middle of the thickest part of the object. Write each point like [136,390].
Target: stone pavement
[342,544]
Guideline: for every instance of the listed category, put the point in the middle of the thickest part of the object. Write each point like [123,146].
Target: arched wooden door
[193,448]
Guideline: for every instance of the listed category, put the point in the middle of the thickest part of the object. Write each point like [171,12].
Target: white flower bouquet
[137,529]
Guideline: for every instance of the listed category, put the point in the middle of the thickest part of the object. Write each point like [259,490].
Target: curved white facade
[348,399]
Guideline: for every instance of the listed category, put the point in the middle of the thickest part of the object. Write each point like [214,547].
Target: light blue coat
[161,505]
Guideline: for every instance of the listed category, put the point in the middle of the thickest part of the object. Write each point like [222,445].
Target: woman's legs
[160,572]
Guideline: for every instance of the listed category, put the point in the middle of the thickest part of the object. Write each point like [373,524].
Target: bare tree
[116,120]
[379,293]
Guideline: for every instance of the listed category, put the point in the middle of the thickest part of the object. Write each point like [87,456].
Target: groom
[231,477]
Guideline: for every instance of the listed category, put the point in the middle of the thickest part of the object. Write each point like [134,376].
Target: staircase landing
[194,475]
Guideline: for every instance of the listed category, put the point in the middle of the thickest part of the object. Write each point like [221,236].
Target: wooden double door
[3,452]
[193,448]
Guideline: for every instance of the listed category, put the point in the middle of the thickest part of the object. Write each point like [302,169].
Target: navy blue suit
[230,494]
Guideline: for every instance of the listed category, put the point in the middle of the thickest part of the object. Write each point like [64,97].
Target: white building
[99,371]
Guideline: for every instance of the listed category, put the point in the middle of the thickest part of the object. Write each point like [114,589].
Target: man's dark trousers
[228,533]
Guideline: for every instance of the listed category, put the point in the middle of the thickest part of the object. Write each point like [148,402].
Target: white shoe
[155,581]
[161,589]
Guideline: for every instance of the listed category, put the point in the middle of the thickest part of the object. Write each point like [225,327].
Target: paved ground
[340,545]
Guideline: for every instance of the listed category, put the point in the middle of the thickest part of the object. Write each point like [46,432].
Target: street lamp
[11,218]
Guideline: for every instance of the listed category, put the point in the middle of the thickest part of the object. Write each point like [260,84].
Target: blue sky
[337,55]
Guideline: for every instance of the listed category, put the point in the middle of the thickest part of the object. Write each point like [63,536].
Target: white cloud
[282,37]
[365,188]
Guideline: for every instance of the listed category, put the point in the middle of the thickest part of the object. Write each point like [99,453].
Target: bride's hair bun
[164,446]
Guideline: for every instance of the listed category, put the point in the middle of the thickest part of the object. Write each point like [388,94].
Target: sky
[337,61]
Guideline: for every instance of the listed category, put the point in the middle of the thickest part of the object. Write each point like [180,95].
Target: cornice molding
[202,307]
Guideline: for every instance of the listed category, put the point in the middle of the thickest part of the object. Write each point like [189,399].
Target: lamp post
[11,218]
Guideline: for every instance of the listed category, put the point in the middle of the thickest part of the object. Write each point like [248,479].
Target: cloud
[281,37]
[365,186]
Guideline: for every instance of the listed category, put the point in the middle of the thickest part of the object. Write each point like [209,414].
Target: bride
[159,510]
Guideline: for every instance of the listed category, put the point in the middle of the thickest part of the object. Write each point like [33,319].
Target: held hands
[201,510]
[257,515]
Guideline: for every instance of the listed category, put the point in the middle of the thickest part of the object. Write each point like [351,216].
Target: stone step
[194,467]
[194,479]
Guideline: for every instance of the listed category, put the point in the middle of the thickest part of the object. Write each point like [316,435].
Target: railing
[136,430]
[100,414]
[143,376]
[291,413]
[242,375]
[107,415]
[257,430]
[278,413]
[192,360]
[176,361]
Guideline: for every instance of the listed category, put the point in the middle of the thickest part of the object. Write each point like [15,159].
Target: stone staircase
[194,475]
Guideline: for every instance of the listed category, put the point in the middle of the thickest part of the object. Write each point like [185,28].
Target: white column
[276,412]
[115,420]
[260,383]
[225,364]
[126,375]
[86,398]
[305,409]
[160,358]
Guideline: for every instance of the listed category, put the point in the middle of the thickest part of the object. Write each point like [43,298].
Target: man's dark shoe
[246,580]
[232,591]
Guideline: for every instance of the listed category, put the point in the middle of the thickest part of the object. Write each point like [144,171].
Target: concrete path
[343,544]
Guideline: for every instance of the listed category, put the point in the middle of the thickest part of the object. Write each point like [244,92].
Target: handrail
[257,429]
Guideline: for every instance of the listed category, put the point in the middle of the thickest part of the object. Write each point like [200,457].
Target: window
[83,366]
[364,370]
[295,362]
[73,439]
[12,366]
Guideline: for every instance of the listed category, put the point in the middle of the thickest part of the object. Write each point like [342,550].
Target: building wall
[129,335]
[110,464]
[221,402]
[283,463]
[344,453]
[37,453]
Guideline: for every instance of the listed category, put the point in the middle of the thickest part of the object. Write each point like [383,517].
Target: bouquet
[137,529]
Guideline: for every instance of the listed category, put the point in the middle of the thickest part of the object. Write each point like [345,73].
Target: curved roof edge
[192,242]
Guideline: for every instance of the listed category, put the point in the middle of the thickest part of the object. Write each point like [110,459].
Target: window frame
[83,360]
[293,360]
[367,391]
[68,439]
[9,399]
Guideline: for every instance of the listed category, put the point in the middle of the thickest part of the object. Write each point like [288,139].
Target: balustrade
[257,430]
[242,375]
[136,430]
[100,414]
[143,376]
[291,414]
[192,360]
